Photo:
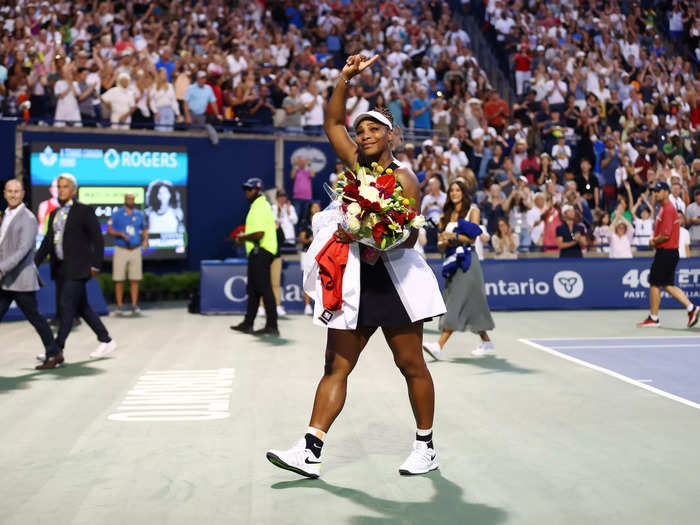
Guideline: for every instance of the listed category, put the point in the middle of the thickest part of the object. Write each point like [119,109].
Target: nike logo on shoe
[315,445]
[311,462]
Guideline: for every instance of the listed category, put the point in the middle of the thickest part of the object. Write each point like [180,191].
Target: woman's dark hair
[497,233]
[450,206]
[152,195]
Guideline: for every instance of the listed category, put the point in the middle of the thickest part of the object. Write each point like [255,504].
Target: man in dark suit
[74,241]
[19,279]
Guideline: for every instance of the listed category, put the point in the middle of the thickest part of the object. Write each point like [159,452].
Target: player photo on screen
[156,176]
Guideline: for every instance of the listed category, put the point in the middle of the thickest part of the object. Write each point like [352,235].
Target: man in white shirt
[312,119]
[556,92]
[236,64]
[121,102]
[676,197]
[355,104]
[395,60]
[561,153]
[693,218]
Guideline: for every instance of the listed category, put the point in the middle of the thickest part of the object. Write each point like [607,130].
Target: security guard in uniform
[260,239]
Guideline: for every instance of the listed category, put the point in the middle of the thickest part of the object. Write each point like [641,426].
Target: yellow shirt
[261,219]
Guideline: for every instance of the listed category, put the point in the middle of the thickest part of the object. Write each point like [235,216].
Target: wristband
[346,80]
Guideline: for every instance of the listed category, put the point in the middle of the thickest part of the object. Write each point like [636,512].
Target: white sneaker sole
[481,353]
[95,355]
[276,461]
[649,325]
[433,466]
[431,353]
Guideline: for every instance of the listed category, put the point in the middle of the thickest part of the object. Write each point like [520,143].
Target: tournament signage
[529,284]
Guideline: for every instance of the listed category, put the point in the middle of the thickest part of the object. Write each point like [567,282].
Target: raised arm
[334,124]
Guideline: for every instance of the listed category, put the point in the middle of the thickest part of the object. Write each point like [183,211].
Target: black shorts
[663,269]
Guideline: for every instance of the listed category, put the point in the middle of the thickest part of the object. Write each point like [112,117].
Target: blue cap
[253,182]
[660,185]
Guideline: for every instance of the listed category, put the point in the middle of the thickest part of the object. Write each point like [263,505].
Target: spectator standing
[85,98]
[602,233]
[294,109]
[121,103]
[286,217]
[74,242]
[302,192]
[67,92]
[197,98]
[128,227]
[420,110]
[523,69]
[504,241]
[693,218]
[588,186]
[571,236]
[260,239]
[663,267]
[683,238]
[19,278]
[621,239]
[163,102]
[313,109]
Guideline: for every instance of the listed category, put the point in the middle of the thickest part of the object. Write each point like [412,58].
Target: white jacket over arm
[415,282]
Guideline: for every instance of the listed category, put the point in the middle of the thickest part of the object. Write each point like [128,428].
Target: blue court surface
[668,366]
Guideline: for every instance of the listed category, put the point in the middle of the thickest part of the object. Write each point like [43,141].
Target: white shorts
[127,264]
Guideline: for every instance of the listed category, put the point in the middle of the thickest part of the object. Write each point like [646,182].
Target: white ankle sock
[420,432]
[691,307]
[320,434]
[654,317]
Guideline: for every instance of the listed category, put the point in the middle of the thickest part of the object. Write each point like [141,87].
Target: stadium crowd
[605,108]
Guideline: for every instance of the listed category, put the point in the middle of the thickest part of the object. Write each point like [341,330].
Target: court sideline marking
[611,373]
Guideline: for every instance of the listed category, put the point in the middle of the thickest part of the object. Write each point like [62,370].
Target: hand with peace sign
[357,64]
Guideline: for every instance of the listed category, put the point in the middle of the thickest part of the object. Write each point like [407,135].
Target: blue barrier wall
[46,297]
[216,203]
[544,284]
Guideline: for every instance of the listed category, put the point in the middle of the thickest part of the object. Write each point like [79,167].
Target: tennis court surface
[173,429]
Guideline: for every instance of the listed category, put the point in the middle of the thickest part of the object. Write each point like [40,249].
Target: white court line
[611,373]
[617,337]
[595,347]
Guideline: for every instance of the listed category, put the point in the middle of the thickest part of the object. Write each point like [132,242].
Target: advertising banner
[530,284]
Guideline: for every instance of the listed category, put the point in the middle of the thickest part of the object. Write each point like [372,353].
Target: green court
[173,428]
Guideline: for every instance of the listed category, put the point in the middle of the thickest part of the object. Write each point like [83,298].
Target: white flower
[354,209]
[370,193]
[370,220]
[418,221]
[353,223]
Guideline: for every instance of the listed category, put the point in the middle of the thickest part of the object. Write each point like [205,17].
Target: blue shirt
[169,67]
[198,98]
[132,224]
[422,121]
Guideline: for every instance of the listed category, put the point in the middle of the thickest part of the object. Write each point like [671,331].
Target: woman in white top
[67,91]
[285,216]
[621,239]
[163,102]
[395,292]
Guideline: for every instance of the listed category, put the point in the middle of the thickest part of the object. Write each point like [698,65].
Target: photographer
[431,207]
[517,205]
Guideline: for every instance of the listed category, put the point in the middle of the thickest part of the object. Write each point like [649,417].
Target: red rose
[378,231]
[351,192]
[375,207]
[387,183]
[411,215]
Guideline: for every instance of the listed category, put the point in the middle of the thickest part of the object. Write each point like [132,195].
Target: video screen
[155,175]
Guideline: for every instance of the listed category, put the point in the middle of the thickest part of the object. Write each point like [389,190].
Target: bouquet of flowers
[374,208]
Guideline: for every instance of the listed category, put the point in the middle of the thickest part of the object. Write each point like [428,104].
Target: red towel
[332,260]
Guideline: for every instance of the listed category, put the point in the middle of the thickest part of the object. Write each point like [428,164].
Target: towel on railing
[460,256]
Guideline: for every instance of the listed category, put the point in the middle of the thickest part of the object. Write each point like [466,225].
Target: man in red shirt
[523,69]
[496,111]
[663,270]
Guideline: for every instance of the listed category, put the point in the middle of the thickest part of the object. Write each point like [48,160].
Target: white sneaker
[41,357]
[420,461]
[281,310]
[104,348]
[484,348]
[433,350]
[308,310]
[298,459]
[261,311]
